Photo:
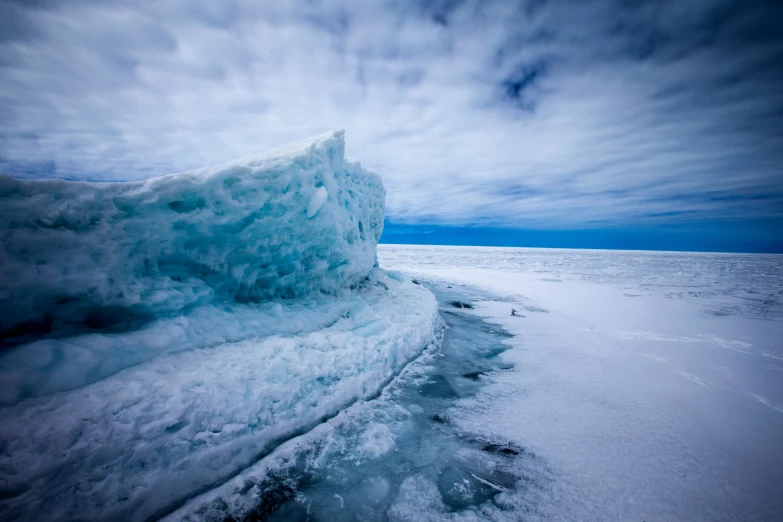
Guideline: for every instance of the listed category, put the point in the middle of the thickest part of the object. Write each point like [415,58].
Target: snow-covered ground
[651,383]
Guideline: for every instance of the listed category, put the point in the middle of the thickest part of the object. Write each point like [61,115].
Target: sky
[604,123]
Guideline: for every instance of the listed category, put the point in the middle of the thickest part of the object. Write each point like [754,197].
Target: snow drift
[283,224]
[263,313]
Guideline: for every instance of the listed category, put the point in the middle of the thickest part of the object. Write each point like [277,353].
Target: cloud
[531,114]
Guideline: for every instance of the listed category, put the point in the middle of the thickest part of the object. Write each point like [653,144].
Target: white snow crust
[649,383]
[286,223]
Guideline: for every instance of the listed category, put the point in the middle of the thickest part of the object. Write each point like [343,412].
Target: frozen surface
[569,385]
[651,384]
[95,255]
[50,365]
[161,337]
[137,443]
[382,459]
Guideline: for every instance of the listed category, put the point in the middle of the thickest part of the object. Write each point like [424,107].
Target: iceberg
[161,336]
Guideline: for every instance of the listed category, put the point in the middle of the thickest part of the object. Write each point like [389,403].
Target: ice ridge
[158,337]
[283,224]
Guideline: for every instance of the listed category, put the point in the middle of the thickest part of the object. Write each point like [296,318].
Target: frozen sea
[650,383]
[569,385]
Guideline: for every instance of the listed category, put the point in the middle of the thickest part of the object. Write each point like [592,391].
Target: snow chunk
[282,224]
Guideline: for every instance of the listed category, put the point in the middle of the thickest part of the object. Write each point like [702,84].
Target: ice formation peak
[295,220]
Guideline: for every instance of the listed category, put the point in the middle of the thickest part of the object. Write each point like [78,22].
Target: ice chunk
[317,201]
[285,223]
[377,440]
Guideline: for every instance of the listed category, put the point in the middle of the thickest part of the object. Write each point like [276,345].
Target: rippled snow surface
[651,383]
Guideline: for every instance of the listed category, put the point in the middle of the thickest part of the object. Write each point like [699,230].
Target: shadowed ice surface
[371,475]
[399,456]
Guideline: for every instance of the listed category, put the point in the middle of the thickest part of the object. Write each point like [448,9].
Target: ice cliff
[282,224]
[161,336]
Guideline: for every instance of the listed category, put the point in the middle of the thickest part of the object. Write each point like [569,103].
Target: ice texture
[358,465]
[259,309]
[280,224]
[136,444]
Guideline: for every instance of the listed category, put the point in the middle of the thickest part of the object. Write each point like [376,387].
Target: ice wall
[264,314]
[292,221]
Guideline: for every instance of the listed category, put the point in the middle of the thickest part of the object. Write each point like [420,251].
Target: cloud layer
[525,114]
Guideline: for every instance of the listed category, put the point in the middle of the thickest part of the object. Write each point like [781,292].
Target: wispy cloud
[533,113]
